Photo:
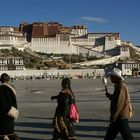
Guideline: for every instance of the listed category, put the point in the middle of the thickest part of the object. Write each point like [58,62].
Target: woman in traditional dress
[63,125]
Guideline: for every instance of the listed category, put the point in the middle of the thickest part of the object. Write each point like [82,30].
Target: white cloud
[93,19]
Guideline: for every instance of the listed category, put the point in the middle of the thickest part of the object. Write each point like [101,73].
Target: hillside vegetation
[33,60]
[30,60]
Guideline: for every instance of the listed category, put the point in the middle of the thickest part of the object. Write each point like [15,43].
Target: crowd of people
[48,76]
[63,126]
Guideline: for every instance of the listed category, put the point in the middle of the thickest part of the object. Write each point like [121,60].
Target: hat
[4,77]
[117,73]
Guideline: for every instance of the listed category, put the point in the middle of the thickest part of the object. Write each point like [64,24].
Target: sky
[121,16]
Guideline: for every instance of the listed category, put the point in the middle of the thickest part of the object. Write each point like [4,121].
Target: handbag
[131,111]
[74,114]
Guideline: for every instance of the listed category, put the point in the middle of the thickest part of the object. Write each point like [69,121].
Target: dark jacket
[64,99]
[7,100]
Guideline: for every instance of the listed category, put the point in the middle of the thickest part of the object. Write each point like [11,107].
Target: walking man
[120,108]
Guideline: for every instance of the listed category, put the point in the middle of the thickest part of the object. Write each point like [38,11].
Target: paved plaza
[37,110]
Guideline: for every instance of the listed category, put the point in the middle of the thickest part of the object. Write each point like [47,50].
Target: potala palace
[54,38]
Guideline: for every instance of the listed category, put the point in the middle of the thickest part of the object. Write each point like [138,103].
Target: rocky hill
[33,60]
[30,59]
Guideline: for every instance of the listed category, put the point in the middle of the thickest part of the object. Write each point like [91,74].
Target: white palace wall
[53,45]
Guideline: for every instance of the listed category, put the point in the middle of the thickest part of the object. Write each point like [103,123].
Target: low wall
[69,72]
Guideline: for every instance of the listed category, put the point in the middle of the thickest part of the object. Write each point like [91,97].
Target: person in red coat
[8,109]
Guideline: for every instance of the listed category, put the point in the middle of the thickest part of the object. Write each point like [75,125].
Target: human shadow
[37,128]
[36,132]
[34,124]
[23,138]
[33,128]
[84,130]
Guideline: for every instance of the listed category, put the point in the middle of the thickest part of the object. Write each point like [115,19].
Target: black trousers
[119,126]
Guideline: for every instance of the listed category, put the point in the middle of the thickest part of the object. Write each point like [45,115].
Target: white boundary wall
[69,72]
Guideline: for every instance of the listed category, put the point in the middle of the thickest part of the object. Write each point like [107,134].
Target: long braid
[66,84]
